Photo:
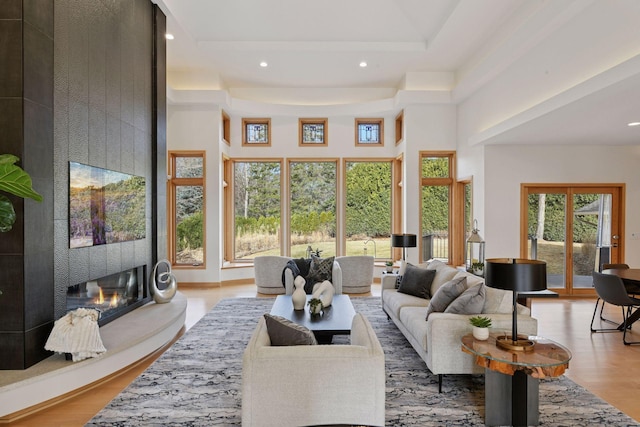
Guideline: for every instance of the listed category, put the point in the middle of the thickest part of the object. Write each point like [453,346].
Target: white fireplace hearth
[128,339]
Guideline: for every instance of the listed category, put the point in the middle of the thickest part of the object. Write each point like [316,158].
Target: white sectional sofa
[438,339]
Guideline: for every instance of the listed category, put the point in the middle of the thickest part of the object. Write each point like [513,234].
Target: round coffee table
[511,377]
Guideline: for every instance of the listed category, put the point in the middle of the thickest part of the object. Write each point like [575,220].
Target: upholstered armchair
[357,273]
[314,384]
[268,275]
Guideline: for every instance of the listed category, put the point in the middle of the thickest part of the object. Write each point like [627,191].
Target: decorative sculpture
[299,297]
[324,292]
[161,296]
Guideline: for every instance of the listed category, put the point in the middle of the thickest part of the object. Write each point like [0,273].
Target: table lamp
[403,241]
[517,275]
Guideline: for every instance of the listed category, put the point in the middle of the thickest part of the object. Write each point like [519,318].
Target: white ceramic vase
[480,334]
[299,296]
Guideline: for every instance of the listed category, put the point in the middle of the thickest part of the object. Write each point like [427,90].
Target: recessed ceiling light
[363,64]
[169,36]
[263,64]
[633,124]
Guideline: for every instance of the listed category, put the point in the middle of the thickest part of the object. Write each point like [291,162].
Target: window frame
[256,121]
[227,188]
[172,184]
[226,128]
[230,244]
[325,133]
[395,207]
[374,121]
[453,251]
[339,200]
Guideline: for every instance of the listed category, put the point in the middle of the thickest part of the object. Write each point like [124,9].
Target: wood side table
[511,377]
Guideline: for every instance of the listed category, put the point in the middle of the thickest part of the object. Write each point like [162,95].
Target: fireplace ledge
[127,340]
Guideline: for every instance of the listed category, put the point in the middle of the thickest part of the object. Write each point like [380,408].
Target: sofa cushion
[498,301]
[444,273]
[446,294]
[470,302]
[413,320]
[285,332]
[394,301]
[320,270]
[472,279]
[416,281]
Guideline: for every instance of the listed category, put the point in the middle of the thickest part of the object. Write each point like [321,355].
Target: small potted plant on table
[477,268]
[315,306]
[481,327]
[389,265]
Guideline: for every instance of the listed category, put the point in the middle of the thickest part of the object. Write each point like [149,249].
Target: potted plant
[16,181]
[389,265]
[315,306]
[481,327]
[477,268]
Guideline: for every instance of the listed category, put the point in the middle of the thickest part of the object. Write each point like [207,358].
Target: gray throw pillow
[416,281]
[285,332]
[446,294]
[470,302]
[321,269]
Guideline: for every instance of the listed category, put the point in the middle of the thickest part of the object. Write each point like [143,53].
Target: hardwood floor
[601,363]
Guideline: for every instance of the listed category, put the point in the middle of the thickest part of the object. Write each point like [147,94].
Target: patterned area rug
[197,381]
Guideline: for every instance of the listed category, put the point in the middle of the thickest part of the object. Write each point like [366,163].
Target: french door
[575,228]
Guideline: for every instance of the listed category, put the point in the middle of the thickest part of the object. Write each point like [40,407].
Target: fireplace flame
[100,297]
[114,301]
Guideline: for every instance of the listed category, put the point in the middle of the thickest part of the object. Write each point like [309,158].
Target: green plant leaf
[7,214]
[14,180]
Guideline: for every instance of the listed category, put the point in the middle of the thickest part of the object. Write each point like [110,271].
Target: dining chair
[610,289]
[606,267]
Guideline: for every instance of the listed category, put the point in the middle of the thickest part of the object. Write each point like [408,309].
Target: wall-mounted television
[105,206]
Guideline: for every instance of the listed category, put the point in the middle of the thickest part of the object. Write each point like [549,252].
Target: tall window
[437,173]
[368,208]
[312,202]
[187,201]
[257,208]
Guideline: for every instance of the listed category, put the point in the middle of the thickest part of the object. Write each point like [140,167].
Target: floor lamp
[403,241]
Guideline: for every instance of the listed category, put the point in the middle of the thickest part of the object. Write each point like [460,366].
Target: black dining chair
[610,289]
[606,267]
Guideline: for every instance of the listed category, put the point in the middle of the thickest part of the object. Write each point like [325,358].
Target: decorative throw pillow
[470,302]
[285,332]
[321,269]
[416,281]
[446,294]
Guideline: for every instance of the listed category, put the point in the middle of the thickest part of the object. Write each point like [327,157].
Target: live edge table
[336,319]
[511,377]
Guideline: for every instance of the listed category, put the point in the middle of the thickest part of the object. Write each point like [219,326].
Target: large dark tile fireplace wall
[79,81]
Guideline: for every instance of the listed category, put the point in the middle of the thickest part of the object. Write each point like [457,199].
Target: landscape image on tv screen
[105,206]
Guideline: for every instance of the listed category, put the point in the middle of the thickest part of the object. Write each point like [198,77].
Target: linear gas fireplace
[113,295]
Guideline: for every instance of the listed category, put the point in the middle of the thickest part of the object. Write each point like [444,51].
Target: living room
[547,100]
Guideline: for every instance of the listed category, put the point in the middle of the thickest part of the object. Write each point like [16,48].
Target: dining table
[631,279]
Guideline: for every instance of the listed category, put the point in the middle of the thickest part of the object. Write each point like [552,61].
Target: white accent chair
[357,273]
[314,385]
[268,275]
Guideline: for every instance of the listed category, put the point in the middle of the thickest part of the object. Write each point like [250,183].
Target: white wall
[198,128]
[506,167]
[427,128]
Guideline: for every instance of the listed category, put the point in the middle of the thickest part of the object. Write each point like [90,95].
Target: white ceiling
[320,45]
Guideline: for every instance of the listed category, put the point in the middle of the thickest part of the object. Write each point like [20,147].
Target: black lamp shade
[403,241]
[514,274]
